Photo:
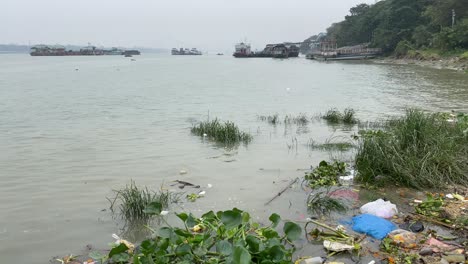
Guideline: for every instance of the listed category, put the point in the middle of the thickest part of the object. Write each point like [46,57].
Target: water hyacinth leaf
[292,230]
[182,233]
[253,243]
[245,217]
[269,233]
[121,258]
[153,208]
[275,219]
[200,251]
[136,259]
[276,252]
[223,247]
[96,255]
[183,249]
[231,218]
[118,249]
[240,255]
[191,221]
[166,232]
[182,216]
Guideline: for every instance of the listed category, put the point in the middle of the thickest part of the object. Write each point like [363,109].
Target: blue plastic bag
[372,225]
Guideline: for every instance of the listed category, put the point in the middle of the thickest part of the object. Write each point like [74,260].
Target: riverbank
[449,63]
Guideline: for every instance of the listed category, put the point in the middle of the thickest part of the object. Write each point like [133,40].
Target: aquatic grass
[334,116]
[226,133]
[420,150]
[322,204]
[300,119]
[349,116]
[273,119]
[329,145]
[132,201]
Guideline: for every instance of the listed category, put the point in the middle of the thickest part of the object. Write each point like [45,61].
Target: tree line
[401,25]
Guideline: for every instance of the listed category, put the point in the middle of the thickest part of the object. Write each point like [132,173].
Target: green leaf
[96,255]
[223,247]
[253,242]
[191,221]
[292,230]
[166,232]
[245,217]
[183,249]
[323,164]
[275,219]
[200,251]
[276,253]
[231,218]
[182,233]
[183,217]
[153,208]
[136,259]
[241,256]
[121,257]
[118,249]
[269,233]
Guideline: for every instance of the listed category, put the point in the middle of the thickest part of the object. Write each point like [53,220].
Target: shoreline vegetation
[396,159]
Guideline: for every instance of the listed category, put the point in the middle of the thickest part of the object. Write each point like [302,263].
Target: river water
[74,128]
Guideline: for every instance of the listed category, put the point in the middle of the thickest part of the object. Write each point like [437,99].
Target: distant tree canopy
[417,23]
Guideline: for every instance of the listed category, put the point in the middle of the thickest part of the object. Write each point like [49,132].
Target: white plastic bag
[380,208]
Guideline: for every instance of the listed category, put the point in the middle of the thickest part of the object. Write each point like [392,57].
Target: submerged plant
[227,132]
[420,150]
[223,237]
[326,174]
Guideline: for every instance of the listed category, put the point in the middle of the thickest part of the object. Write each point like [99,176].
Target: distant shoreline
[452,63]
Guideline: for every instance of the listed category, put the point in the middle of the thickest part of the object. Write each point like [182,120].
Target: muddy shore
[453,63]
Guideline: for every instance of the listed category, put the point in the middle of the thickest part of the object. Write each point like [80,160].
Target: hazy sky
[205,24]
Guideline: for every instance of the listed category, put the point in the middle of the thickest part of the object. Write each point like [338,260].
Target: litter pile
[430,230]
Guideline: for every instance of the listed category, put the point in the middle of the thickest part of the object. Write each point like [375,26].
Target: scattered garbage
[380,208]
[438,246]
[314,260]
[345,194]
[404,238]
[336,246]
[183,184]
[372,225]
[182,172]
[413,226]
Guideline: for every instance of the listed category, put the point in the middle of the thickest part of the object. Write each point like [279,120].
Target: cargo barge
[58,50]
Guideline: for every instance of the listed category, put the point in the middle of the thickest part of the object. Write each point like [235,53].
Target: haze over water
[74,128]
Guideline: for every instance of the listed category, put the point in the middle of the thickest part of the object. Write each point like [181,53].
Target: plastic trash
[415,227]
[372,225]
[336,246]
[403,238]
[380,208]
[314,260]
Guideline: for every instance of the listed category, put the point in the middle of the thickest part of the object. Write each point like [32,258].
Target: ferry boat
[242,50]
